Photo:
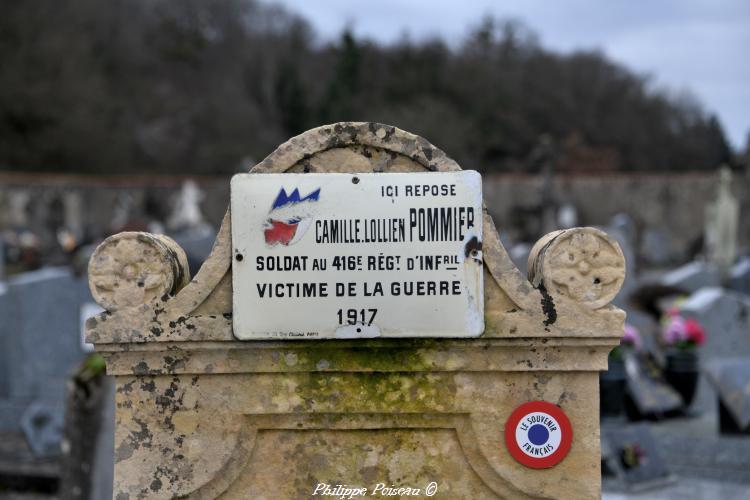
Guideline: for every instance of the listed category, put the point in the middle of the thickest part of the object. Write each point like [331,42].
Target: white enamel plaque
[357,255]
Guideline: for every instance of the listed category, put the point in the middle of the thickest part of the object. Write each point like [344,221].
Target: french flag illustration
[290,217]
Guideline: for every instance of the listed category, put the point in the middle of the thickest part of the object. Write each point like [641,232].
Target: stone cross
[201,414]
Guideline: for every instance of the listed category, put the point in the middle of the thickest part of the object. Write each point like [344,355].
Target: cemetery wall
[672,204]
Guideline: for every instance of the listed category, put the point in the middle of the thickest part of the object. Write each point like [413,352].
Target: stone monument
[722,219]
[201,414]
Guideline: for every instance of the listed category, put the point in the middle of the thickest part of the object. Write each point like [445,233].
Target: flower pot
[612,389]
[682,374]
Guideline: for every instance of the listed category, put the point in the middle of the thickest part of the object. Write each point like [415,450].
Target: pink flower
[631,336]
[694,332]
[675,331]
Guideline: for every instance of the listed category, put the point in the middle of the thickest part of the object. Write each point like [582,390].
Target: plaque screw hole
[359,330]
[355,180]
[474,253]
[597,281]
[239,257]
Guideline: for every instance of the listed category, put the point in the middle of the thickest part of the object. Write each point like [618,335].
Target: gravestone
[647,395]
[39,349]
[739,276]
[633,456]
[656,247]
[730,378]
[622,228]
[725,316]
[202,414]
[692,276]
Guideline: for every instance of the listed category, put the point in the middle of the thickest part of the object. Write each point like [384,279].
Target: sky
[697,46]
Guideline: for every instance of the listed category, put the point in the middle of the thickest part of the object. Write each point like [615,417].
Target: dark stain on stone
[149,386]
[156,484]
[473,245]
[157,312]
[173,364]
[163,402]
[123,452]
[548,306]
[389,131]
[142,437]
[126,388]
[156,331]
[141,368]
[123,496]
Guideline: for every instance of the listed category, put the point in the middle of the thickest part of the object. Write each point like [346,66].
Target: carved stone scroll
[582,264]
[130,269]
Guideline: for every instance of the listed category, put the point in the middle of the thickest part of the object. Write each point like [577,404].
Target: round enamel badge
[538,434]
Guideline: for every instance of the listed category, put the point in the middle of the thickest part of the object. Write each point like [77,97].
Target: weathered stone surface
[133,268]
[583,264]
[202,415]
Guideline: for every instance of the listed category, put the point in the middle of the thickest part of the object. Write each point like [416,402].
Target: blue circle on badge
[538,434]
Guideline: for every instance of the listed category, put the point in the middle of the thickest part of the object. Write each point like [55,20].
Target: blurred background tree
[196,87]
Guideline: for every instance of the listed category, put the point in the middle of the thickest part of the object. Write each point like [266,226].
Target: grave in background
[41,339]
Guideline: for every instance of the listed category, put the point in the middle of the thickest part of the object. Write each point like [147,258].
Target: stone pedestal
[203,415]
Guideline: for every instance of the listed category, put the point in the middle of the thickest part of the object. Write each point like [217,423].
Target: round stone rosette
[538,434]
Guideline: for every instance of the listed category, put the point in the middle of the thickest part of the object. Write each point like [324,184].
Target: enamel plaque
[357,255]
